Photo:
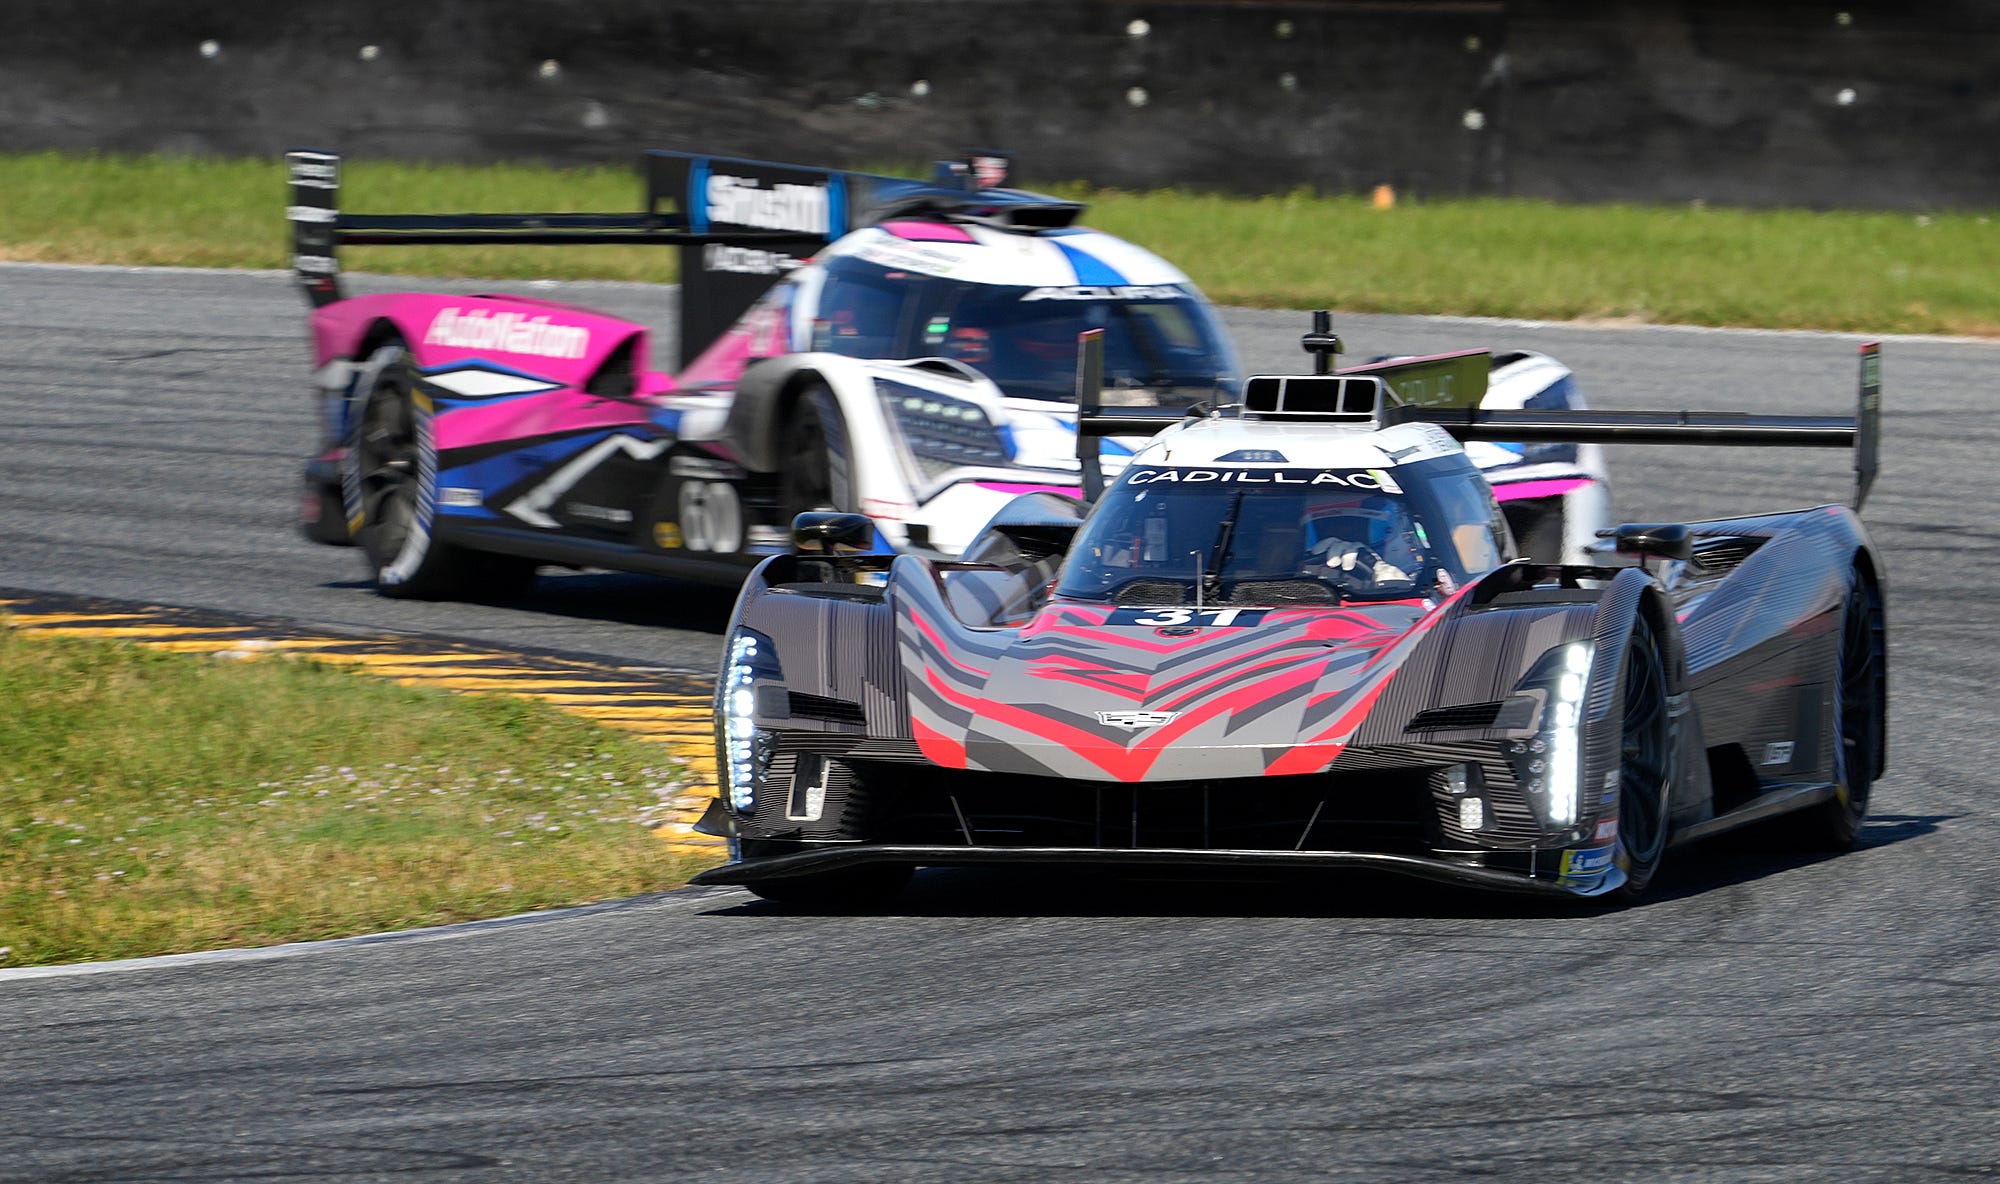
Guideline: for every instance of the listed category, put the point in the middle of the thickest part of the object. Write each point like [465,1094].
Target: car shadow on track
[606,597]
[1756,852]
[631,600]
[1333,894]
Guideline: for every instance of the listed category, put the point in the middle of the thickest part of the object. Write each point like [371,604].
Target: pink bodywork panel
[928,232]
[556,342]
[1517,490]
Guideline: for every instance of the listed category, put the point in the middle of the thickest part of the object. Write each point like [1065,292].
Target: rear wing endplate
[740,225]
[1860,431]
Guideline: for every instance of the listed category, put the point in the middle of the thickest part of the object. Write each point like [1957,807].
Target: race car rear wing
[1445,390]
[739,224]
[1861,431]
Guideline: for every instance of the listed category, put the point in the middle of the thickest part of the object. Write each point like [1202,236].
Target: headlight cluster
[1550,766]
[745,748]
[942,433]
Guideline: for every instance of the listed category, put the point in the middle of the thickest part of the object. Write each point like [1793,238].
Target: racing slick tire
[813,449]
[843,891]
[325,519]
[1646,769]
[1860,723]
[389,485]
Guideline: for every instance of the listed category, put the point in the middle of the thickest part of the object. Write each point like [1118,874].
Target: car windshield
[1270,537]
[1160,341]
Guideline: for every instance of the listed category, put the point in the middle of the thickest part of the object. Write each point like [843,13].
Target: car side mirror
[1658,540]
[832,534]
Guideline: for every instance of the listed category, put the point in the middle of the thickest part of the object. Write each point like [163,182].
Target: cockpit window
[1158,338]
[1271,537]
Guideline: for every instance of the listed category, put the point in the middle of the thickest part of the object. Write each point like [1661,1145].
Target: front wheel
[1645,764]
[815,454]
[389,487]
[1860,725]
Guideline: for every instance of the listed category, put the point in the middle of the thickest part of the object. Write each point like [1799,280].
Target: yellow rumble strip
[670,709]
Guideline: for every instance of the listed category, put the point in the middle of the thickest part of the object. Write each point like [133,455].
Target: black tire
[389,480]
[1860,723]
[328,524]
[1538,529]
[1646,764]
[815,457]
[832,892]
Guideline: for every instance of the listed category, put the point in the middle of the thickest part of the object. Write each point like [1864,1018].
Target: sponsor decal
[1587,862]
[1161,617]
[310,214]
[459,497]
[910,255]
[1607,830]
[1136,721]
[599,513]
[746,260]
[1779,753]
[667,536]
[507,333]
[1107,292]
[743,201]
[1372,479]
[701,467]
[316,173]
[315,264]
[1610,788]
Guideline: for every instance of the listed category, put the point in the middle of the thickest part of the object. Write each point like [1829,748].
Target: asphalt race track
[1764,1017]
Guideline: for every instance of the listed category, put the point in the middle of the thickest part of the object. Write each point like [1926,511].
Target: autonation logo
[742,201]
[507,333]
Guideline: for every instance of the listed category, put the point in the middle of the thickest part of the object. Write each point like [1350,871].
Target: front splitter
[829,859]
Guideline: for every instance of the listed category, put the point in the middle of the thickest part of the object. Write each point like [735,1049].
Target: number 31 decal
[1160,617]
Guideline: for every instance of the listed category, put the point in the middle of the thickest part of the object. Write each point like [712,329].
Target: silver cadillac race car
[1297,633]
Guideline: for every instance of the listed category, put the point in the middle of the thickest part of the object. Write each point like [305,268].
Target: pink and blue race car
[904,349]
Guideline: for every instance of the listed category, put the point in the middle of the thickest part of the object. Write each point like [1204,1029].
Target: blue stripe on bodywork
[695,202]
[1090,270]
[1560,393]
[1108,446]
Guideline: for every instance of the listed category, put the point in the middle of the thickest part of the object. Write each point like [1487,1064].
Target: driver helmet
[969,343]
[1374,522]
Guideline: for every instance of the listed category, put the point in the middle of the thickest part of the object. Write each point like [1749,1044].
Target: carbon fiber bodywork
[951,715]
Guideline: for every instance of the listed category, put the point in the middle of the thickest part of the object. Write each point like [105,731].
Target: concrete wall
[1753,102]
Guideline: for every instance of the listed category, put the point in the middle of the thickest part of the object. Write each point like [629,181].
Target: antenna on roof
[1322,343]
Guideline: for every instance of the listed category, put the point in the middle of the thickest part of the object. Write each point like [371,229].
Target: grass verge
[154,802]
[1868,272]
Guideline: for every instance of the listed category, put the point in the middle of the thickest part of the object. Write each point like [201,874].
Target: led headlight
[942,433]
[743,749]
[1550,766]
